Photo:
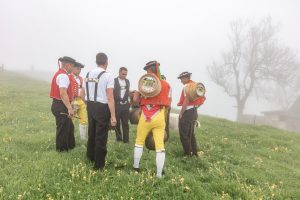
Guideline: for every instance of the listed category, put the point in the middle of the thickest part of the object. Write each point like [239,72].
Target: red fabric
[196,102]
[75,85]
[161,99]
[54,92]
[149,113]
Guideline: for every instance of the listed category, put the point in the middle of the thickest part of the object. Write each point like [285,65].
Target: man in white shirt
[101,110]
[121,95]
[62,95]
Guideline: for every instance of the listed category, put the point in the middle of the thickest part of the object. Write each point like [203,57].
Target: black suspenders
[96,81]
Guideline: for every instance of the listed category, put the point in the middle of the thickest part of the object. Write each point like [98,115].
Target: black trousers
[99,120]
[167,129]
[122,115]
[186,131]
[65,139]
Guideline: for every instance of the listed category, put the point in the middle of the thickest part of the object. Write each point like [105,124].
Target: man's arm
[65,99]
[184,106]
[82,93]
[136,98]
[111,105]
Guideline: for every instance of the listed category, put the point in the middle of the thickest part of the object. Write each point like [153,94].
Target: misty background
[181,35]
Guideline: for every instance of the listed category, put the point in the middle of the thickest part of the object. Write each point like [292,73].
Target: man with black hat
[101,110]
[78,99]
[62,94]
[188,116]
[121,95]
[152,119]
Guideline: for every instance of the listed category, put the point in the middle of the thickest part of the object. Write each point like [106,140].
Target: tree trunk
[240,111]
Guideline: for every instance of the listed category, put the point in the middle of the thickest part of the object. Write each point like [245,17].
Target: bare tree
[255,60]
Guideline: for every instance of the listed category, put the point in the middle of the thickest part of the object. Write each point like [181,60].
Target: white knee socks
[138,152]
[160,161]
[82,131]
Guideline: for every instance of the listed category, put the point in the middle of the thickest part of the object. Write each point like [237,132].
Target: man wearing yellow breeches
[78,102]
[152,119]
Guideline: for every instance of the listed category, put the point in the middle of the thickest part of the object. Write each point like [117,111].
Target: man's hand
[113,121]
[71,113]
[180,115]
[136,98]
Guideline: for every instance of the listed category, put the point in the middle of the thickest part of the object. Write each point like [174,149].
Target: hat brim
[67,60]
[188,74]
[151,64]
[78,64]
[148,66]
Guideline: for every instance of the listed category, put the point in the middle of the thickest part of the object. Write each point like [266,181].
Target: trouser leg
[185,126]
[125,125]
[168,121]
[193,137]
[91,132]
[82,114]
[71,136]
[143,129]
[63,127]
[102,126]
[118,125]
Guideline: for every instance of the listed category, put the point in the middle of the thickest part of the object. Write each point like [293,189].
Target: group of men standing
[106,100]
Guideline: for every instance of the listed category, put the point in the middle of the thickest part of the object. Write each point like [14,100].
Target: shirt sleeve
[63,81]
[184,91]
[170,93]
[111,81]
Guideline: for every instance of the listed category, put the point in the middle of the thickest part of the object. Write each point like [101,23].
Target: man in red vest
[62,95]
[78,103]
[187,117]
[152,119]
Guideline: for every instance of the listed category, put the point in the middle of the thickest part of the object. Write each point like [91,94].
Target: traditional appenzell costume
[188,120]
[153,119]
[78,103]
[65,139]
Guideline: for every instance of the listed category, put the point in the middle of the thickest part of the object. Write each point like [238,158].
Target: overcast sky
[181,35]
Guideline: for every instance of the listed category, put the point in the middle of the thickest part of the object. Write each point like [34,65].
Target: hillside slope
[236,161]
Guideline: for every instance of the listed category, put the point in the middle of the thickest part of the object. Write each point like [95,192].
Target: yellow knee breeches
[156,125]
[81,112]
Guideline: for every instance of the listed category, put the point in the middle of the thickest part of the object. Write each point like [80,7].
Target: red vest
[54,92]
[75,85]
[161,99]
[196,102]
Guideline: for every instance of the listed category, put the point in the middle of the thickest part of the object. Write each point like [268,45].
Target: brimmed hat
[183,74]
[67,59]
[77,64]
[151,64]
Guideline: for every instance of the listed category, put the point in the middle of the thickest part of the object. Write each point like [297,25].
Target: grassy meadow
[236,161]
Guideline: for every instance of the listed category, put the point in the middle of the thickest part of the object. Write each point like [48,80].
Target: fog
[181,35]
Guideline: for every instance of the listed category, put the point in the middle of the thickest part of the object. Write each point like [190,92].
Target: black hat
[67,59]
[77,64]
[183,74]
[151,64]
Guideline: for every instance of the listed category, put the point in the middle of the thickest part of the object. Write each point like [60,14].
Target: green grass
[237,161]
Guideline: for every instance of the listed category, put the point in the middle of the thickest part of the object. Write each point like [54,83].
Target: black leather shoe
[137,169]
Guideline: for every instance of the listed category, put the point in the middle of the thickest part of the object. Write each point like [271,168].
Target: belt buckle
[125,102]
